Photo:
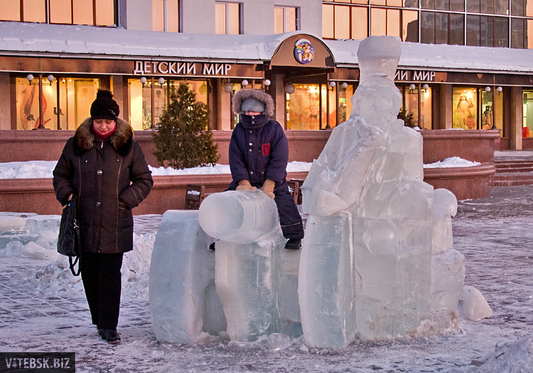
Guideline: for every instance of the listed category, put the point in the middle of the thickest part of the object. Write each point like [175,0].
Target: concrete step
[513,165]
[518,167]
[513,178]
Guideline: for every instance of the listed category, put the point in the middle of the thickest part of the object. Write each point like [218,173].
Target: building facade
[466,64]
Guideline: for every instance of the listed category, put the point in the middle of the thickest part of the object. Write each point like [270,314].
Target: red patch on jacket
[265,148]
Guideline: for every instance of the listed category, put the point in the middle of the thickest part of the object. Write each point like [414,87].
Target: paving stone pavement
[493,233]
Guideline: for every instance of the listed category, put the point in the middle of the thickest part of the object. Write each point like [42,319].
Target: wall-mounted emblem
[304,51]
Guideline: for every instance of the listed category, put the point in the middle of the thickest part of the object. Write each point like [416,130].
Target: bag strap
[73,261]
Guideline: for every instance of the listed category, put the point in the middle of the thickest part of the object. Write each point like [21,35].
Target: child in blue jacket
[258,157]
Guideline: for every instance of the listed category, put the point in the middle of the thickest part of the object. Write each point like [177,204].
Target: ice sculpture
[366,265]
[183,300]
[256,279]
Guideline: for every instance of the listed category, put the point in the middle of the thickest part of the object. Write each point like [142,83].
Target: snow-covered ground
[43,307]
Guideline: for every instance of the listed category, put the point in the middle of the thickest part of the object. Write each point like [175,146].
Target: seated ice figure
[256,279]
[366,265]
[183,300]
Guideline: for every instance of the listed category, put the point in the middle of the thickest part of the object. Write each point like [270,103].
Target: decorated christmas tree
[183,138]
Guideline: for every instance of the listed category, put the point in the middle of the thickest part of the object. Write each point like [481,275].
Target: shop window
[228,18]
[464,108]
[306,107]
[84,12]
[345,104]
[426,109]
[165,15]
[149,100]
[528,112]
[285,19]
[497,111]
[418,102]
[410,103]
[486,108]
[66,102]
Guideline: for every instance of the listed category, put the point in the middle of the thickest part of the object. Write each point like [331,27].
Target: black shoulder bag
[69,241]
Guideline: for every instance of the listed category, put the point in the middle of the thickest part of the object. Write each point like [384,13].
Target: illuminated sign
[304,51]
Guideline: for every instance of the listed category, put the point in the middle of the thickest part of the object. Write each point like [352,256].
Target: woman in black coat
[106,169]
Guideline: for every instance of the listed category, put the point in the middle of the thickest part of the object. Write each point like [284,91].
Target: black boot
[112,336]
[293,244]
[101,332]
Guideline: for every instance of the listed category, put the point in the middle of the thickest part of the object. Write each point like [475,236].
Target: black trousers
[101,278]
[289,217]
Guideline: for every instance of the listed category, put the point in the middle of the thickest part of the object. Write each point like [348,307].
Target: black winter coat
[109,178]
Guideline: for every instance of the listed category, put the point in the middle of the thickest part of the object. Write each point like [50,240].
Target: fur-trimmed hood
[257,94]
[120,140]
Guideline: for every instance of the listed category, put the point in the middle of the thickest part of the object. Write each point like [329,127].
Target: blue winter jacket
[258,152]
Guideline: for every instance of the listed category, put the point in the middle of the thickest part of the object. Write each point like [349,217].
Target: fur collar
[120,140]
[259,95]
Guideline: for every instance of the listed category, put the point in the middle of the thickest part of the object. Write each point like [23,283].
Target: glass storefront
[345,103]
[318,106]
[527,123]
[151,98]
[305,109]
[464,108]
[478,108]
[417,101]
[66,102]
[497,110]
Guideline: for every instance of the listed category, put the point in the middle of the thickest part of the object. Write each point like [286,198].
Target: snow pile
[34,237]
[43,169]
[452,162]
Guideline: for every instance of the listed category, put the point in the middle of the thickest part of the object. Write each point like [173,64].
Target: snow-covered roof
[446,57]
[64,40]
[34,39]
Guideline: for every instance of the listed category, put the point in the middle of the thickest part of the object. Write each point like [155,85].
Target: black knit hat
[104,107]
